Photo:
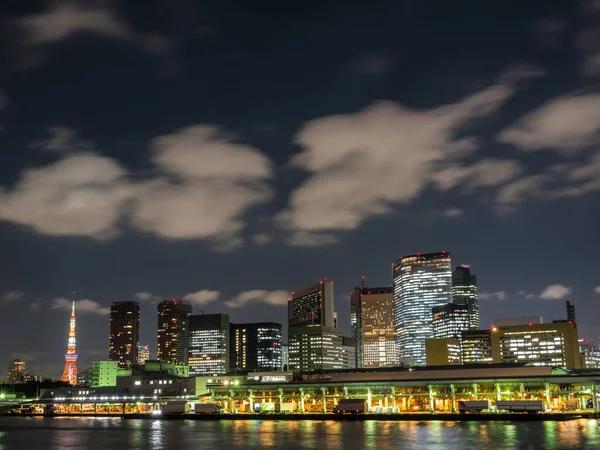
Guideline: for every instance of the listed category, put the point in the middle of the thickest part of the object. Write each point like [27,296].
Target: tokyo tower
[70,372]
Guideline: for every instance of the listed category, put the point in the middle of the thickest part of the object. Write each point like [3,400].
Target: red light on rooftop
[529,323]
[363,277]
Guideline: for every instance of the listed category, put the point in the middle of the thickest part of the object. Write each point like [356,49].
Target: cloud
[207,182]
[202,297]
[62,139]
[202,184]
[363,164]
[555,292]
[453,212]
[79,195]
[566,124]
[597,289]
[499,295]
[261,238]
[275,298]
[144,296]
[35,307]
[13,296]
[81,306]
[65,19]
[28,356]
[312,239]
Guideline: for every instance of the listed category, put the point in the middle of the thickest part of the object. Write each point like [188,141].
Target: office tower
[143,354]
[124,333]
[570,311]
[553,344]
[284,357]
[476,346]
[173,330]
[16,372]
[348,353]
[314,343]
[335,320]
[103,373]
[255,347]
[209,344]
[464,292]
[372,311]
[450,320]
[443,352]
[421,282]
[312,306]
[70,371]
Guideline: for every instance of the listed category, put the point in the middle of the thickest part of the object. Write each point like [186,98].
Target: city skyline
[227,154]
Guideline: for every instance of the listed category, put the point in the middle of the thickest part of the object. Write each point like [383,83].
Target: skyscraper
[16,372]
[124,333]
[464,292]
[209,344]
[255,347]
[476,346]
[570,311]
[312,306]
[372,311]
[143,354]
[173,330]
[70,371]
[450,320]
[421,282]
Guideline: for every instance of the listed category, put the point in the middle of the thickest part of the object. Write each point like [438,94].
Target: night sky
[229,152]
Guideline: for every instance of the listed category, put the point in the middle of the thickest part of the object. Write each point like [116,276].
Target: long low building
[433,389]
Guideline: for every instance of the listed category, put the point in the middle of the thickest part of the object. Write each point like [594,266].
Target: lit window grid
[540,348]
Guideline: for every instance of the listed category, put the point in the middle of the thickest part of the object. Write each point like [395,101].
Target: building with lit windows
[284,357]
[372,313]
[103,373]
[553,344]
[421,282]
[16,372]
[348,352]
[464,292]
[312,306]
[143,354]
[124,333]
[315,347]
[209,344]
[173,330]
[476,346]
[443,352]
[255,347]
[450,320]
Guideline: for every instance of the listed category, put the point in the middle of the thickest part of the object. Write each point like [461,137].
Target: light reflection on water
[101,434]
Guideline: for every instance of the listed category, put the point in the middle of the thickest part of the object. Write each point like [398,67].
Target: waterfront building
[16,372]
[255,347]
[554,344]
[70,371]
[315,347]
[124,333]
[476,346]
[511,321]
[209,344]
[83,378]
[158,368]
[421,282]
[570,310]
[103,373]
[348,353]
[450,320]
[372,325]
[173,330]
[443,352]
[143,354]
[312,306]
[464,292]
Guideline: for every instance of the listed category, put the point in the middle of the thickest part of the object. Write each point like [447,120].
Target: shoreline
[424,417]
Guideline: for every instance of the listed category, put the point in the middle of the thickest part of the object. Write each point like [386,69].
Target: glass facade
[464,292]
[476,346]
[173,330]
[124,333]
[421,282]
[256,347]
[209,344]
[450,320]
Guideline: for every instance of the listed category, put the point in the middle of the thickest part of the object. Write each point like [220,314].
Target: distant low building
[169,368]
[103,374]
[476,346]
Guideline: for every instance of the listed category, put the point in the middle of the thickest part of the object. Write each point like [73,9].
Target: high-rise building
[124,333]
[285,357]
[209,344]
[348,353]
[16,372]
[553,344]
[173,330]
[421,282]
[464,292]
[312,306]
[255,347]
[372,311]
[450,320]
[570,310]
[103,373]
[143,354]
[70,371]
[476,346]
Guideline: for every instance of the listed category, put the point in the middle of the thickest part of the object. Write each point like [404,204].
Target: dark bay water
[109,433]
